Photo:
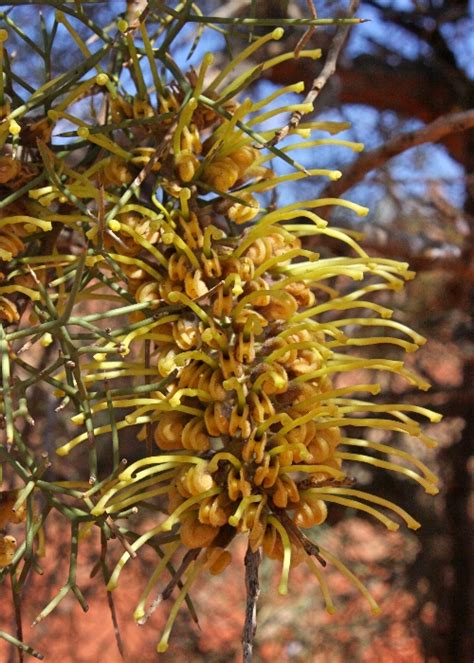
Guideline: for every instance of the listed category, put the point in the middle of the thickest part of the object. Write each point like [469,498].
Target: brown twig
[110,600]
[118,534]
[320,81]
[115,624]
[190,556]
[309,32]
[18,615]
[252,563]
[431,133]
[298,536]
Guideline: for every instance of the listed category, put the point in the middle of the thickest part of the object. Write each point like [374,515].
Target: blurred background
[412,64]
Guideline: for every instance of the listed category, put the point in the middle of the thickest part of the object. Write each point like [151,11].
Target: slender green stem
[21,645]
[115,437]
[6,388]
[11,24]
[269,22]
[19,193]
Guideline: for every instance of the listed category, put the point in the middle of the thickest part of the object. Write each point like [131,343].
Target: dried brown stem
[117,634]
[190,556]
[252,563]
[18,615]
[297,535]
[118,534]
[320,81]
[110,600]
[309,32]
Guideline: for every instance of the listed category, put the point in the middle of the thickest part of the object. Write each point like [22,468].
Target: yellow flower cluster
[240,330]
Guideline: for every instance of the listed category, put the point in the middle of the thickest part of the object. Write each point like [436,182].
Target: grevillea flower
[7,549]
[10,513]
[245,336]
[249,341]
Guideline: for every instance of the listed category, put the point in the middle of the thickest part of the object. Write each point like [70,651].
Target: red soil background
[294,628]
